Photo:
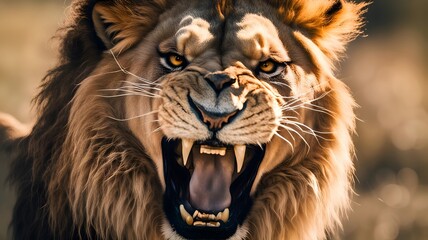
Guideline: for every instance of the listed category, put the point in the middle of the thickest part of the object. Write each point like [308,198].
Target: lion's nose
[219,80]
[215,121]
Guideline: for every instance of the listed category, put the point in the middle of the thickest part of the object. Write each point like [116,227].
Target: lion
[213,119]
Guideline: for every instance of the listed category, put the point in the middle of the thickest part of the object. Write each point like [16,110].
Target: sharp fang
[239,155]
[189,220]
[225,215]
[187,145]
[185,215]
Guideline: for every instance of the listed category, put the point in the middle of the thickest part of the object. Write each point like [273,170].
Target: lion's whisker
[286,140]
[280,84]
[137,91]
[127,92]
[296,132]
[156,130]
[142,84]
[126,71]
[134,117]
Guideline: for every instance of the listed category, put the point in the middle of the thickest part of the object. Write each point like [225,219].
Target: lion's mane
[80,174]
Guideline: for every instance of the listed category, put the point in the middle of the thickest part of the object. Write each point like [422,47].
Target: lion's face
[218,97]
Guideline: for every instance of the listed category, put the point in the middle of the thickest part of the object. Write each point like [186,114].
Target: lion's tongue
[211,179]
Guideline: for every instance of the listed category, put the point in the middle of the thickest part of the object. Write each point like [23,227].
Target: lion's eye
[270,68]
[267,66]
[173,61]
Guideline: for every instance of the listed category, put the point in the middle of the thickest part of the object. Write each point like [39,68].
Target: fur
[84,172]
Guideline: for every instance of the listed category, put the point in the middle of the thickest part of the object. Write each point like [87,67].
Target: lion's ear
[341,23]
[119,27]
[101,25]
[330,24]
[122,24]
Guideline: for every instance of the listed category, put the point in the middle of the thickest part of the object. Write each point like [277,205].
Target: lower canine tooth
[189,220]
[185,215]
[225,215]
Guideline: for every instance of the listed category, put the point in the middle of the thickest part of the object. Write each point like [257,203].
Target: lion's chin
[208,185]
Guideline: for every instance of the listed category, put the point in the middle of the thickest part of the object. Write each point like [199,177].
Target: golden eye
[268,66]
[175,60]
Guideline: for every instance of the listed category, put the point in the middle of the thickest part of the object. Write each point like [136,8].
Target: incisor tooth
[187,145]
[195,214]
[239,155]
[213,150]
[222,152]
[199,224]
[218,217]
[213,224]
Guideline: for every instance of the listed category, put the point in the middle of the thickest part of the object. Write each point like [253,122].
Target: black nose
[219,81]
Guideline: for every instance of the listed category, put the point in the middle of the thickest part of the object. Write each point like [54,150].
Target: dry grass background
[386,71]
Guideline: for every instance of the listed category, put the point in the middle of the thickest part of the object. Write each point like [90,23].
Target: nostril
[215,121]
[219,81]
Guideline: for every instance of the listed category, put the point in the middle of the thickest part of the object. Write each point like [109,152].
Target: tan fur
[109,170]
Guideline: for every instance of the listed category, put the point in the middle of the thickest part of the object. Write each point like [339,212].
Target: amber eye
[268,66]
[175,60]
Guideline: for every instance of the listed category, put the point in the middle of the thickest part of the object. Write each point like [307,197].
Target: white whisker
[156,130]
[286,140]
[296,132]
[127,72]
[134,117]
[127,92]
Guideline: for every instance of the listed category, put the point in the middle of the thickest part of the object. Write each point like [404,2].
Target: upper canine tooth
[239,155]
[186,145]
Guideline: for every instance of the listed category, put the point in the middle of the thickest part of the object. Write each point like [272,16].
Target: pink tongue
[210,182]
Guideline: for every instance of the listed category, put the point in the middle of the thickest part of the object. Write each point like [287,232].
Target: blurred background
[386,69]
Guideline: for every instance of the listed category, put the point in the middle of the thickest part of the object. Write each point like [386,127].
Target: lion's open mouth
[208,186]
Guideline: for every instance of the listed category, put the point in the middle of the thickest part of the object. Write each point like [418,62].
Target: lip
[177,178]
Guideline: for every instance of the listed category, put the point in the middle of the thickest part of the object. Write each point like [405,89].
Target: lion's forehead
[245,37]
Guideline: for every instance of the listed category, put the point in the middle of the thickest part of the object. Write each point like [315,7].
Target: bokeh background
[386,70]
